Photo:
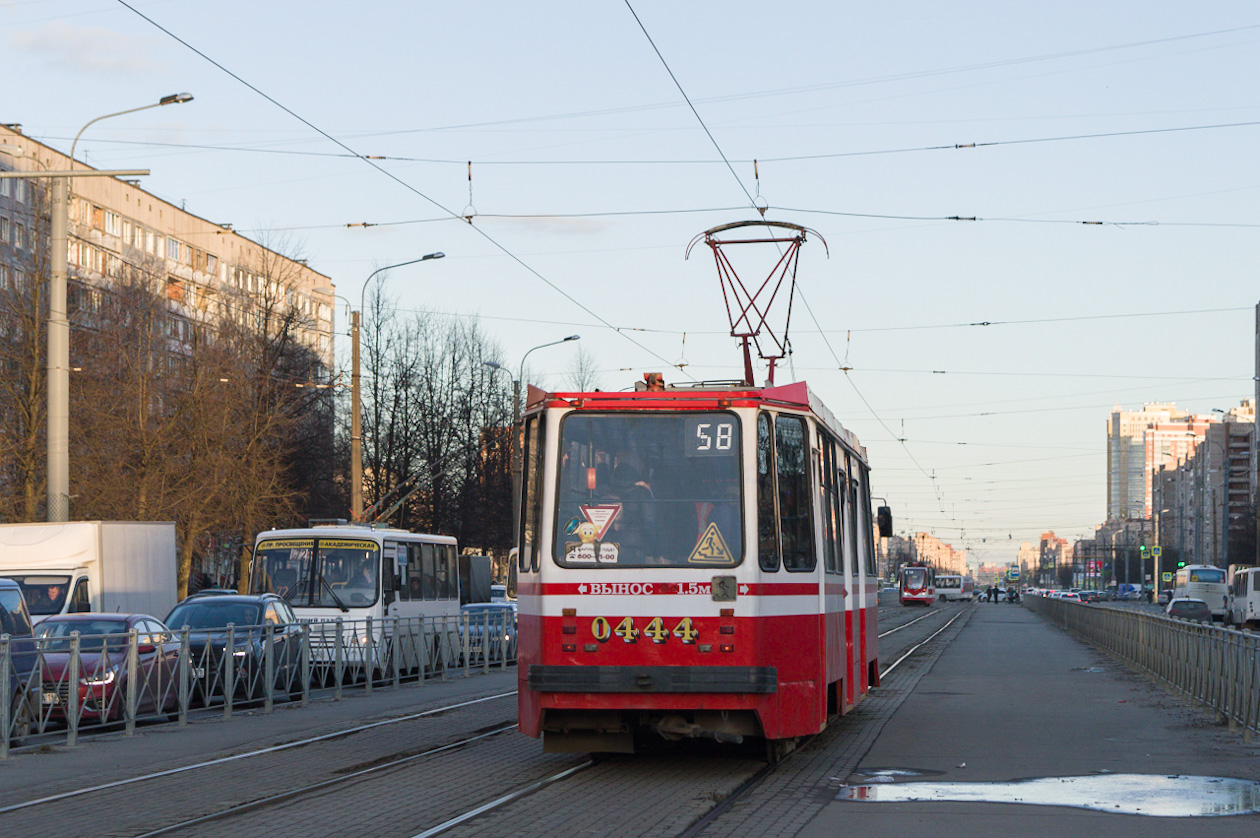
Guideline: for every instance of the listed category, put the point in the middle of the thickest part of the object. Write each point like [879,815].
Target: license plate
[199,672]
[52,698]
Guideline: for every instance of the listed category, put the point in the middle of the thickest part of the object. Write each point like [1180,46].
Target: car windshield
[211,614]
[14,620]
[91,633]
[649,489]
[44,594]
[1211,575]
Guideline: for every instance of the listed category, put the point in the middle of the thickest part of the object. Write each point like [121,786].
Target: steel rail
[752,782]
[920,643]
[507,798]
[298,743]
[931,613]
[298,792]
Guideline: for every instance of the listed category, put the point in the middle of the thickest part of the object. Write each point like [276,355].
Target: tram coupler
[675,727]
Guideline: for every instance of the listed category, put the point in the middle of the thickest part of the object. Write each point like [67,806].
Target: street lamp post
[516,429]
[356,420]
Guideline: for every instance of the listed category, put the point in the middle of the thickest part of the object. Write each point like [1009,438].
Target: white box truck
[125,567]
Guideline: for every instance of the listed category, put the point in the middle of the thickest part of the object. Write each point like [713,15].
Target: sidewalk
[1013,698]
[102,759]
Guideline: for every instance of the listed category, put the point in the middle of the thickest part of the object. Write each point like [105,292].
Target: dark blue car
[15,621]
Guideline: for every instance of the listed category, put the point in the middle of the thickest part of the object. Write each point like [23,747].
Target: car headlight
[96,679]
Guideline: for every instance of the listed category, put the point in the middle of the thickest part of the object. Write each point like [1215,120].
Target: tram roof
[718,395]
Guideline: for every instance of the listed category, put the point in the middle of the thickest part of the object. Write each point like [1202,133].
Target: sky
[976,359]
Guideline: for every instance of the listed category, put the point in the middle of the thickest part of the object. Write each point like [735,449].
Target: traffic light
[1180,563]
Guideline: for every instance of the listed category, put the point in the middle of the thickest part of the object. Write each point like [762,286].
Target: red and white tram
[917,584]
[693,562]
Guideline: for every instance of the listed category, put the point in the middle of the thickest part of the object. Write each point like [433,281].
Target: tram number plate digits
[685,632]
[626,630]
[655,630]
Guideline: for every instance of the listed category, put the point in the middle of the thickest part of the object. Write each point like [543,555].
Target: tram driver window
[795,500]
[649,489]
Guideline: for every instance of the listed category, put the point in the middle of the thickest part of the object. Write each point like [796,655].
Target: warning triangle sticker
[602,516]
[711,548]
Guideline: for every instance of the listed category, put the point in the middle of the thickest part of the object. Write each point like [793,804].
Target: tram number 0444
[655,630]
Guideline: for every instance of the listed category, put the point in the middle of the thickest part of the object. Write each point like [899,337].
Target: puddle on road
[1153,795]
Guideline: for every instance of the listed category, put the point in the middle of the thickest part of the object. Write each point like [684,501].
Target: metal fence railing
[77,682]
[1219,667]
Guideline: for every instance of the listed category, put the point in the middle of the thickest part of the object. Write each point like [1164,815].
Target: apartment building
[116,227]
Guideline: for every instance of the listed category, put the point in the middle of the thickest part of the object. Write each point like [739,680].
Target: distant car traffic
[1189,609]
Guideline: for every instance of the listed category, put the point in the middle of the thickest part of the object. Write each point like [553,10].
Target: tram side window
[833,507]
[531,496]
[767,518]
[867,524]
[792,468]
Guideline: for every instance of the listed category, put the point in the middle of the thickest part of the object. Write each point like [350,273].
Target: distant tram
[693,562]
[917,584]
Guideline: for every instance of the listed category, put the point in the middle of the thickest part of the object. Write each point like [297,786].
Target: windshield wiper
[336,598]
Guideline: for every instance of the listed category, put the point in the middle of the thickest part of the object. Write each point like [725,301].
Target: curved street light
[58,478]
[356,419]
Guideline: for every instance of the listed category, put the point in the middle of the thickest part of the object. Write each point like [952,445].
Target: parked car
[19,692]
[501,619]
[1184,608]
[103,672]
[207,615]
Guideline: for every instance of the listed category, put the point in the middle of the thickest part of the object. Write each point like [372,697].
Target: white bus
[1205,582]
[1244,598]
[950,588]
[405,583]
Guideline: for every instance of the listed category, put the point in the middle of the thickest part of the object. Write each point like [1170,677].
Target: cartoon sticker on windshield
[711,549]
[601,516]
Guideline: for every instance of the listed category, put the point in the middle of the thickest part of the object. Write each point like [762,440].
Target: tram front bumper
[761,680]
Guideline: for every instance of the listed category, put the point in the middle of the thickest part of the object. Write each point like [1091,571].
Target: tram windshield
[338,573]
[914,577]
[649,489]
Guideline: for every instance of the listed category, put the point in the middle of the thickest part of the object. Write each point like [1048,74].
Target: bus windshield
[649,489]
[1211,575]
[319,573]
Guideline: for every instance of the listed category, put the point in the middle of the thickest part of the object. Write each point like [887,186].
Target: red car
[103,672]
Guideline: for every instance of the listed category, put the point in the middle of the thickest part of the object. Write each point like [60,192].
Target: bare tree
[583,373]
[438,426]
[24,273]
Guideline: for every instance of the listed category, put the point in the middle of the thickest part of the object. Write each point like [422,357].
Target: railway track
[493,738]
